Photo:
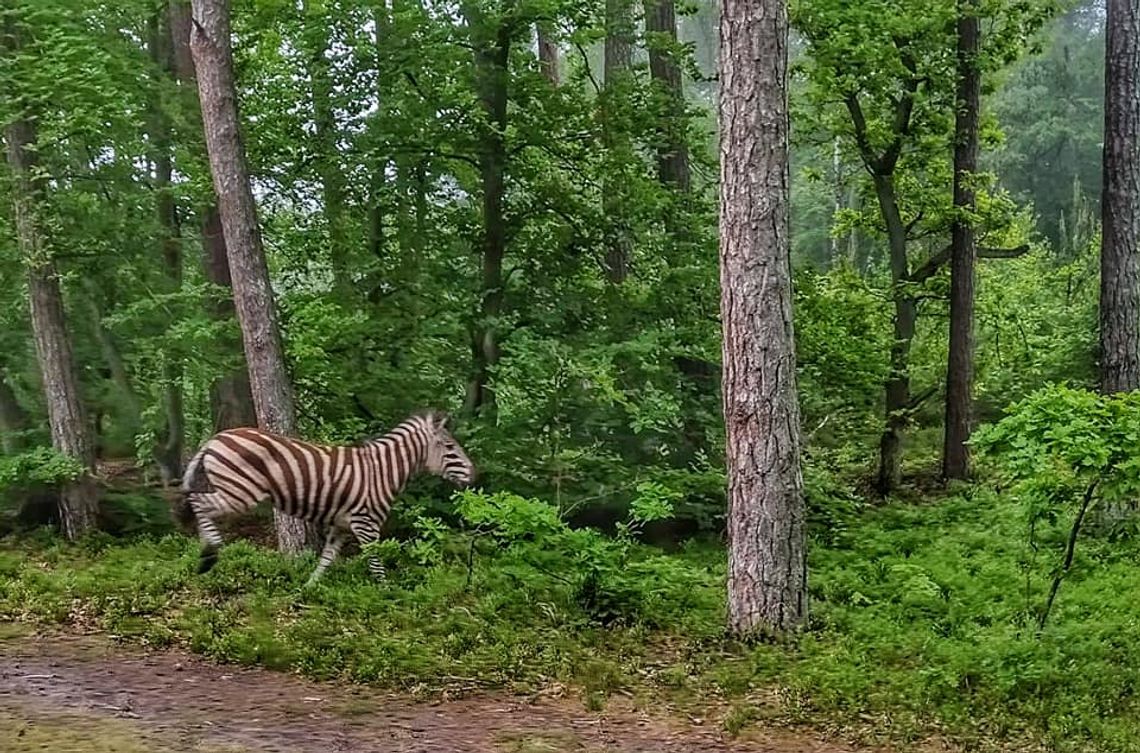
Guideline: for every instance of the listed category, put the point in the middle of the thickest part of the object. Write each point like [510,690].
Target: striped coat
[347,490]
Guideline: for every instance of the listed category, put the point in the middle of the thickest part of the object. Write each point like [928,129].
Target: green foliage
[918,621]
[1066,451]
[38,467]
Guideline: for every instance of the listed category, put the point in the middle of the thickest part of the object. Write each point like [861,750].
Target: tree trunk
[13,419]
[379,177]
[231,401]
[492,55]
[767,564]
[112,356]
[834,257]
[170,449]
[1120,202]
[618,64]
[672,149]
[960,365]
[548,55]
[906,313]
[253,294]
[70,434]
[324,122]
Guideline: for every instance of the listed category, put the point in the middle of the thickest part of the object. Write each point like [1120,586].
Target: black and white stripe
[346,490]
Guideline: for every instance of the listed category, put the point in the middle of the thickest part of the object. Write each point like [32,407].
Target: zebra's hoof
[207,561]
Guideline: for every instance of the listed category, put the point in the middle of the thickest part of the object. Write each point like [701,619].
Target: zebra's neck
[398,456]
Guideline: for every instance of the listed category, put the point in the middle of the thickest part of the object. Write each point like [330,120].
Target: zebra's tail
[193,481]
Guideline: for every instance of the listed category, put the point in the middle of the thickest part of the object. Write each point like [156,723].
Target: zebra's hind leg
[205,507]
[367,531]
[333,543]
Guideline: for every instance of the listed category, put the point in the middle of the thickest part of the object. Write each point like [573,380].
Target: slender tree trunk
[960,365]
[618,64]
[767,564]
[324,121]
[672,149]
[231,400]
[70,434]
[837,206]
[492,56]
[377,188]
[906,313]
[13,419]
[548,55]
[170,449]
[1120,202]
[112,356]
[253,294]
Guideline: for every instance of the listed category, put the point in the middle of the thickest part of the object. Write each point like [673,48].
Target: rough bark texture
[492,55]
[767,567]
[253,295]
[1120,202]
[548,55]
[70,434]
[960,364]
[618,62]
[672,151]
[231,401]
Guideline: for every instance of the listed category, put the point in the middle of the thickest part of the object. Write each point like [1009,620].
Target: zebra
[348,490]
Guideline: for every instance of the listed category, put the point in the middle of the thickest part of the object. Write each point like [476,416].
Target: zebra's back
[307,481]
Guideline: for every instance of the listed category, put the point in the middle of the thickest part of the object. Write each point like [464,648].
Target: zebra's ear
[440,421]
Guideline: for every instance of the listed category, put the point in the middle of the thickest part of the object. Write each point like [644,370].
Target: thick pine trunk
[253,295]
[1120,202]
[617,71]
[231,401]
[960,364]
[70,434]
[672,150]
[767,567]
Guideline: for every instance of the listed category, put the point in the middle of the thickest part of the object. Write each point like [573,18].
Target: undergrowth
[922,620]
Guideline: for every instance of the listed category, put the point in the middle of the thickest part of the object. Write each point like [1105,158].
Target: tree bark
[231,401]
[492,55]
[380,21]
[897,406]
[617,71]
[548,55]
[960,364]
[253,294]
[324,123]
[672,150]
[171,443]
[70,434]
[767,565]
[1120,202]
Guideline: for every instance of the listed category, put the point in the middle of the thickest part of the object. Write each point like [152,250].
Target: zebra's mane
[419,415]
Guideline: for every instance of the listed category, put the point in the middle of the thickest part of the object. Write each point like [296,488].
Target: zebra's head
[444,455]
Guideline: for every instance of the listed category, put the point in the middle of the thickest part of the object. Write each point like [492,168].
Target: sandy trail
[66,693]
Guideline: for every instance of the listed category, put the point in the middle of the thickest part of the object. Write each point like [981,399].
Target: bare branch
[936,262]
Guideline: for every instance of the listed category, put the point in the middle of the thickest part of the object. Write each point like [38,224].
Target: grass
[921,623]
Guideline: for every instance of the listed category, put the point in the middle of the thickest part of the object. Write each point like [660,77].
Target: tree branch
[860,124]
[936,262]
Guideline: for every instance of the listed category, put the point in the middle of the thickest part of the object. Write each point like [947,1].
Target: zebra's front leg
[206,507]
[367,531]
[333,544]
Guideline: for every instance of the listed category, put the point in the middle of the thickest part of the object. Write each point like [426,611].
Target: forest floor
[85,693]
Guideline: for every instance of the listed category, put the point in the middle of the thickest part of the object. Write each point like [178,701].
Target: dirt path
[85,694]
